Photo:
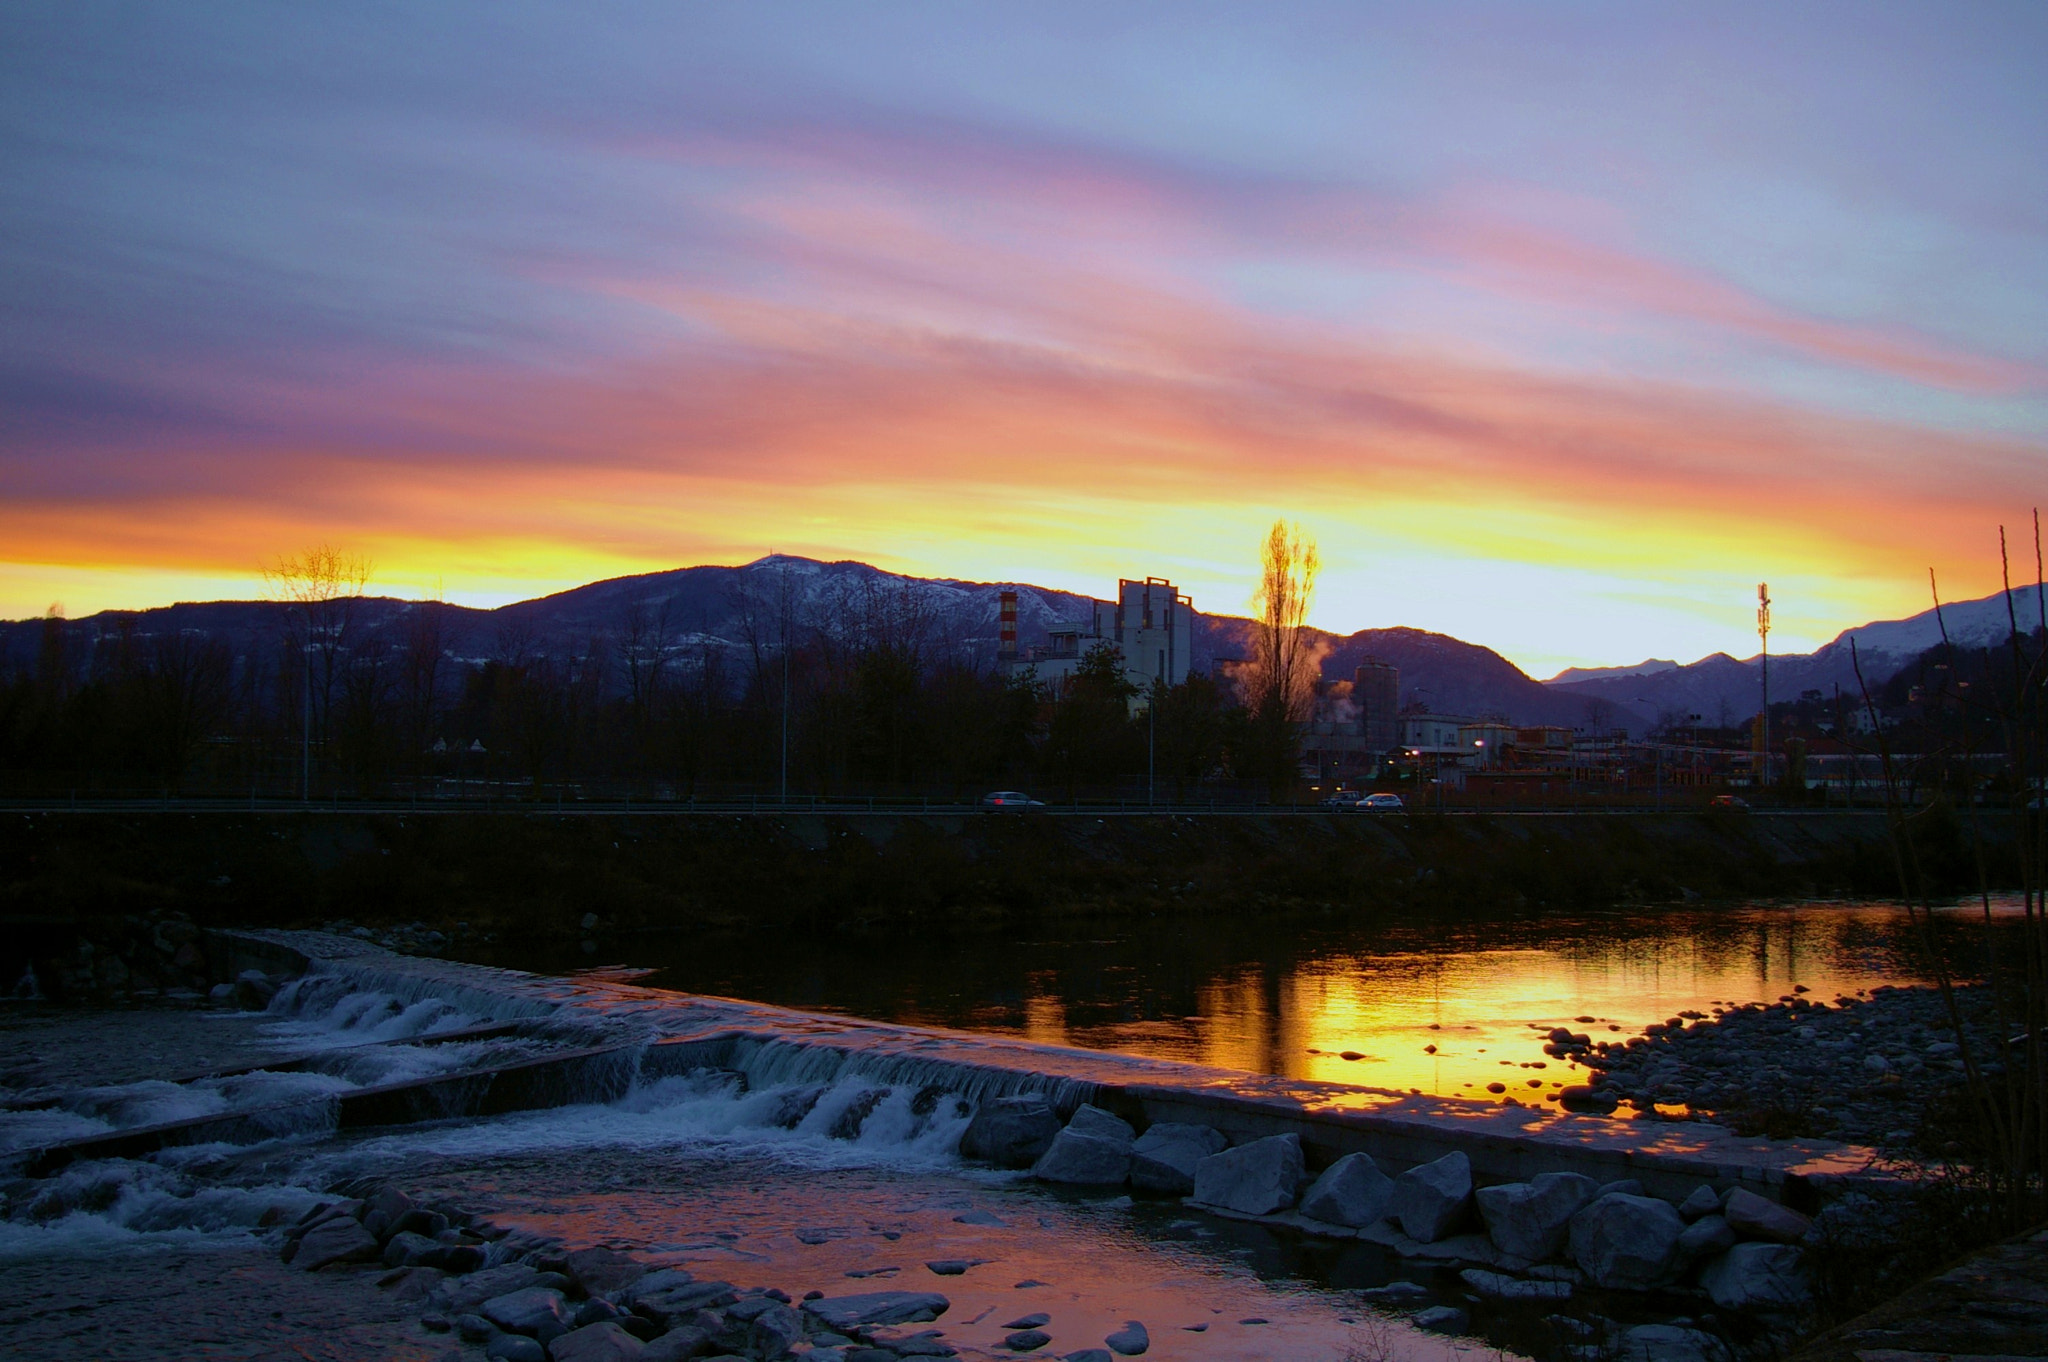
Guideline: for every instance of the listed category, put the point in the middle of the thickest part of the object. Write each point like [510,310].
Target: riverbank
[592,877]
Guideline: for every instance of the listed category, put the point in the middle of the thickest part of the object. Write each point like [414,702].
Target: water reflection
[1442,1006]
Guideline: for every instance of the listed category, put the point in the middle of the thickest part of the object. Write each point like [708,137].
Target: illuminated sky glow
[1560,326]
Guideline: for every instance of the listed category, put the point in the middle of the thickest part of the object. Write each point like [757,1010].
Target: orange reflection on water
[1451,1021]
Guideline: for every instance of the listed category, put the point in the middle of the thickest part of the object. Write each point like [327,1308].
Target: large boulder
[1432,1199]
[1704,1238]
[1627,1242]
[844,1314]
[339,1240]
[1258,1178]
[1757,1277]
[1755,1217]
[464,1294]
[538,1312]
[671,1296]
[605,1342]
[1164,1158]
[1352,1191]
[600,1271]
[1530,1219]
[1094,1150]
[1670,1343]
[1011,1132]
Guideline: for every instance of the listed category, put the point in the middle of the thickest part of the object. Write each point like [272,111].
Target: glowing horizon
[1558,331]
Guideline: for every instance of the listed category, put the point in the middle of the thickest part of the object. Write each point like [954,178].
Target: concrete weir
[610,1036]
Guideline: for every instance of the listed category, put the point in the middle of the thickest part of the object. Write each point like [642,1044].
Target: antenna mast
[1760,766]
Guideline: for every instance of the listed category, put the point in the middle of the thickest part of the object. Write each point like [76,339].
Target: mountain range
[731,611]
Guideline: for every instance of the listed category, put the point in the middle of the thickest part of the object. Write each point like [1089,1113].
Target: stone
[1010,1132]
[923,1343]
[1757,1277]
[1352,1191]
[1164,1157]
[1755,1217]
[474,1328]
[411,1283]
[1627,1242]
[1090,1355]
[406,1249]
[465,1294]
[601,1271]
[602,1342]
[384,1209]
[338,1240]
[677,1345]
[1619,1187]
[1703,1201]
[774,1331]
[1094,1150]
[455,1258]
[1397,1293]
[1027,1340]
[1529,1219]
[844,1314]
[1704,1238]
[1498,1286]
[1441,1319]
[1131,1340]
[1671,1343]
[1586,1097]
[537,1311]
[1258,1178]
[1431,1199]
[670,1302]
[514,1348]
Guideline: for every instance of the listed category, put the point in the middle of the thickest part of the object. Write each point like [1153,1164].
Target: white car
[999,800]
[1381,803]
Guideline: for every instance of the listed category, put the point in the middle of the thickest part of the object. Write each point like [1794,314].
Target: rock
[254,990]
[1090,1355]
[1529,1219]
[1094,1150]
[1627,1242]
[843,1314]
[671,1296]
[1352,1191]
[385,1208]
[411,1283]
[1619,1187]
[1397,1293]
[1027,1340]
[1164,1157]
[1703,1201]
[677,1345]
[339,1240]
[596,1310]
[1586,1097]
[1762,1277]
[455,1258]
[1498,1286]
[537,1311]
[924,1343]
[1036,1320]
[514,1348]
[601,1271]
[1131,1340]
[952,1267]
[1670,1343]
[605,1342]
[1258,1178]
[465,1294]
[1754,1217]
[1011,1132]
[1441,1319]
[1704,1238]
[221,994]
[1432,1198]
[774,1331]
[474,1328]
[406,1249]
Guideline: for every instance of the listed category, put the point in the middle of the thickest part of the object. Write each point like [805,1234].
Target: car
[999,801]
[1381,803]
[1727,802]
[1343,799]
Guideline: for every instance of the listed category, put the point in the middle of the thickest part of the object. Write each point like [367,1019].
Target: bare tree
[1285,660]
[323,586]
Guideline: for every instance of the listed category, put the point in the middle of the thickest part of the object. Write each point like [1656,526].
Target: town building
[1150,623]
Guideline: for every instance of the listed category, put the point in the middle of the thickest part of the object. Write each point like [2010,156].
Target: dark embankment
[539,875]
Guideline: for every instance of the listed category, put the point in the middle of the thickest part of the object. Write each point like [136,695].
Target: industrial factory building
[1149,622]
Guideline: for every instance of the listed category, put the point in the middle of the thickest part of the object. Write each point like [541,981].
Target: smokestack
[1007,650]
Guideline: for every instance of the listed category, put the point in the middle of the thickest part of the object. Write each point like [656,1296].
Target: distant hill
[1724,690]
[728,610]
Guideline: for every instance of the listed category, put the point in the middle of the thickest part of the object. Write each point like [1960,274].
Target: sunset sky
[1560,325]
